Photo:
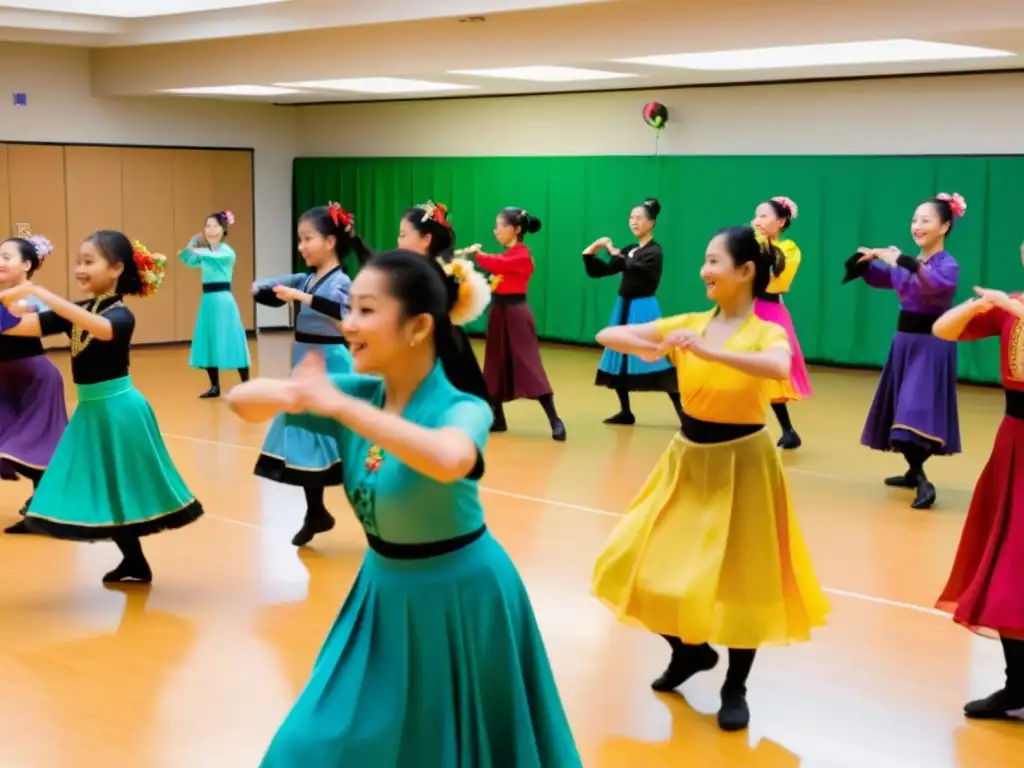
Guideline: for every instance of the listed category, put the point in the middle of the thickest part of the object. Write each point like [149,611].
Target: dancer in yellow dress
[710,551]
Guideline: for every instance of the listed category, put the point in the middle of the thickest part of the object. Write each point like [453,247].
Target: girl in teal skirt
[218,342]
[436,659]
[111,476]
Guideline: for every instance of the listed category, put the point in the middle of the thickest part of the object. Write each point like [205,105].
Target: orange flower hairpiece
[151,267]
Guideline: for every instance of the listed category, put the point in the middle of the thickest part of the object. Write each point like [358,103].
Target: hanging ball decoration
[655,115]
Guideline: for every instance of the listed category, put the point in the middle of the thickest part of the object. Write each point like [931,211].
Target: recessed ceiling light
[378,85]
[232,90]
[832,54]
[543,74]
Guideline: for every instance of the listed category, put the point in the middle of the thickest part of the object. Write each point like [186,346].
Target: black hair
[422,287]
[782,211]
[517,217]
[652,208]
[26,251]
[744,247]
[322,221]
[945,210]
[222,219]
[116,248]
[442,237]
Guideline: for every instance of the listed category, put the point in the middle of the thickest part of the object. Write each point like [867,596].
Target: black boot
[790,440]
[499,424]
[734,714]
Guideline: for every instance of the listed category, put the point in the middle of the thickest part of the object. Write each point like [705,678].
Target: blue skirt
[628,372]
[916,398]
[219,338]
[295,456]
[432,662]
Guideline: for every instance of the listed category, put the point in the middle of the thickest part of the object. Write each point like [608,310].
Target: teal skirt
[432,663]
[111,474]
[295,456]
[218,340]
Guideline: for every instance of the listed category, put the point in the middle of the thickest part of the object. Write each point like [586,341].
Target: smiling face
[14,269]
[767,222]
[213,232]
[722,278]
[93,272]
[927,227]
[314,248]
[377,330]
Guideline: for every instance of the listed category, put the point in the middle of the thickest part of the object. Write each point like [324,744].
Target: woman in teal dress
[110,476]
[436,659]
[218,342]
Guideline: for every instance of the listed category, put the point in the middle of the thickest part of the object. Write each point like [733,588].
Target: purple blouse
[929,290]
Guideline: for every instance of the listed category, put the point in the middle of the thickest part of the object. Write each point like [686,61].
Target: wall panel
[192,188]
[147,184]
[94,201]
[37,193]
[232,190]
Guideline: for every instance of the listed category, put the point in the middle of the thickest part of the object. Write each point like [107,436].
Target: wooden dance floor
[198,671]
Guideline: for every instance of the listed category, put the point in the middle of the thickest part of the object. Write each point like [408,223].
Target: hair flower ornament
[437,212]
[229,217]
[788,204]
[342,218]
[42,245]
[474,291]
[152,268]
[956,202]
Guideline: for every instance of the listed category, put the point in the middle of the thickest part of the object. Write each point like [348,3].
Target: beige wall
[967,114]
[62,110]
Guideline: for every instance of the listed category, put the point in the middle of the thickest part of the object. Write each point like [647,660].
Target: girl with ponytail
[111,477]
[439,587]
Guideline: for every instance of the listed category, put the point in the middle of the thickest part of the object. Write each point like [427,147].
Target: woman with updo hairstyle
[710,551]
[33,413]
[640,265]
[984,592]
[219,341]
[915,409]
[292,455]
[513,368]
[436,642]
[111,477]
[771,219]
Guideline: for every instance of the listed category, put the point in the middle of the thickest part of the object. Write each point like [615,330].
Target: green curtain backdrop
[845,202]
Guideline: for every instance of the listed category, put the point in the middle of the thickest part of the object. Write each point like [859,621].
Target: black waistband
[216,287]
[396,551]
[699,431]
[1015,403]
[771,298]
[19,348]
[915,322]
[316,338]
[508,298]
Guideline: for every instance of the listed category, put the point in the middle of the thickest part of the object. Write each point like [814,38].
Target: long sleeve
[938,277]
[879,275]
[515,261]
[263,290]
[598,268]
[332,298]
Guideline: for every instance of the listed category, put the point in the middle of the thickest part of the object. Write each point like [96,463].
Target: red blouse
[1010,330]
[514,268]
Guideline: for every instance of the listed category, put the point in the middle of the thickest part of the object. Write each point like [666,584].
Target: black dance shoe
[622,418]
[130,572]
[909,480]
[790,440]
[1001,705]
[211,393]
[925,497]
[734,715]
[317,521]
[558,431]
[686,662]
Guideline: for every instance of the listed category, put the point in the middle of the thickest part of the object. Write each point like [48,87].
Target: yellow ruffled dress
[710,550]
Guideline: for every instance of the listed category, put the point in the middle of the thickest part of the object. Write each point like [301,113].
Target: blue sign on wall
[21,99]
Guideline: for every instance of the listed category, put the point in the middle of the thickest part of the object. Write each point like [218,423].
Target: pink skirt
[799,385]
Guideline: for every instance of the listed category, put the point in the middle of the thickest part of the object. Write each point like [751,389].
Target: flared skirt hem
[274,468]
[59,529]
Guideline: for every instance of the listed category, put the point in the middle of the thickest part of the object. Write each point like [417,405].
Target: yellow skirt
[710,550]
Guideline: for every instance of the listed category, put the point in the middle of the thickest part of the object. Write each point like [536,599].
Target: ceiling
[275,48]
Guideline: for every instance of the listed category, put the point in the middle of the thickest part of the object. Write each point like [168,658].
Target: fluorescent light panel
[544,74]
[378,85]
[832,54]
[232,90]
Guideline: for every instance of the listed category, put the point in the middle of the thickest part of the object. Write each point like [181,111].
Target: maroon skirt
[512,365]
[984,592]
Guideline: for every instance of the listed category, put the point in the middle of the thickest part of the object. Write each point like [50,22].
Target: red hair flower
[956,203]
[437,212]
[151,266]
[342,218]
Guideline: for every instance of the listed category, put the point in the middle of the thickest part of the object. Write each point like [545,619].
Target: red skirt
[512,364]
[985,592]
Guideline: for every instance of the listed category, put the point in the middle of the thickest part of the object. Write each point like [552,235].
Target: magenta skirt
[799,385]
[33,414]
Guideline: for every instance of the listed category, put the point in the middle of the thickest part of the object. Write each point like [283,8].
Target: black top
[92,360]
[640,267]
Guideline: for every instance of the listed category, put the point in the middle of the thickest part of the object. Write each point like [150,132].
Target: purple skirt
[916,397]
[33,414]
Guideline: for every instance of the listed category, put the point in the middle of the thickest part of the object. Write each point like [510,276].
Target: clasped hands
[681,339]
[888,255]
[309,388]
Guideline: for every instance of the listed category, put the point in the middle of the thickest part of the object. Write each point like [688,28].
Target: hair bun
[652,206]
[472,291]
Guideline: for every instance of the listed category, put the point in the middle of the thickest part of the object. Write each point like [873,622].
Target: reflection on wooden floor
[199,672]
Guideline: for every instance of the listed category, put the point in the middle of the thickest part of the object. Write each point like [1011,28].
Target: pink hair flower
[229,217]
[788,204]
[956,201]
[42,245]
